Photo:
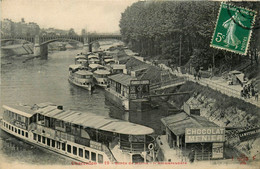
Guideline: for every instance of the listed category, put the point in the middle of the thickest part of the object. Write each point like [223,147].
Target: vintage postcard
[129,84]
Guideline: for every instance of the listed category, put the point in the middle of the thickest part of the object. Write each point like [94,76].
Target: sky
[101,16]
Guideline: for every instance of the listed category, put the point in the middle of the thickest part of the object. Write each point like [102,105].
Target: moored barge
[82,136]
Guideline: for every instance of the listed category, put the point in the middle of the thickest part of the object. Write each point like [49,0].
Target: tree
[154,28]
[71,32]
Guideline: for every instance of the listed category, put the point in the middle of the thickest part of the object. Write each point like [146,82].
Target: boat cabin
[108,135]
[101,77]
[84,74]
[76,67]
[120,83]
[19,117]
[109,61]
[94,67]
[83,62]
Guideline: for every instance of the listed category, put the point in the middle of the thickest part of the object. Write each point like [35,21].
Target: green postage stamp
[233,29]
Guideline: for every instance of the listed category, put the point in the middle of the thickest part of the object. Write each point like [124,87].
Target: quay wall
[114,100]
[223,110]
[17,50]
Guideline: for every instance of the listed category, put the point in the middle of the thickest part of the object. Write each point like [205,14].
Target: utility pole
[180,51]
[213,66]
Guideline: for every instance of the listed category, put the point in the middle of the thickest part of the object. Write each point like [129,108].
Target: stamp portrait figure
[231,26]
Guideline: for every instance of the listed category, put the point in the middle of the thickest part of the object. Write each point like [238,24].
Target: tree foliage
[171,28]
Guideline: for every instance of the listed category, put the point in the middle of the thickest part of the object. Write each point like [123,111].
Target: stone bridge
[41,42]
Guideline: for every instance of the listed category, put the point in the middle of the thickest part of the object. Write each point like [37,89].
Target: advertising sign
[217,150]
[204,134]
[139,89]
[249,134]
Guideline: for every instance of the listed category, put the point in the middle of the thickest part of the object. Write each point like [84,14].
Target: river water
[37,81]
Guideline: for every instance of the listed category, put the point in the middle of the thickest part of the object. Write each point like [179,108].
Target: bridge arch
[100,40]
[47,40]
[41,42]
[93,38]
[60,40]
[30,40]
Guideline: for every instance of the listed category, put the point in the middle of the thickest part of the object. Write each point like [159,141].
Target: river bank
[223,110]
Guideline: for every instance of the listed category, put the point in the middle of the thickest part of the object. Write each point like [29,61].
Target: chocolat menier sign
[204,135]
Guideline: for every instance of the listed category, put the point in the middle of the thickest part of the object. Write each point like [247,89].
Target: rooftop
[84,72]
[23,110]
[75,66]
[80,57]
[95,65]
[179,122]
[103,72]
[132,62]
[122,78]
[93,56]
[92,120]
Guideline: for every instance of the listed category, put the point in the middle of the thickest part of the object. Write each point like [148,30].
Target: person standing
[192,156]
[195,75]
[199,75]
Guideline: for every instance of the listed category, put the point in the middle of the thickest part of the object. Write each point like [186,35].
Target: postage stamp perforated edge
[249,37]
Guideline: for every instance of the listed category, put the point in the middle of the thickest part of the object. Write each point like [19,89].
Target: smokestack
[60,107]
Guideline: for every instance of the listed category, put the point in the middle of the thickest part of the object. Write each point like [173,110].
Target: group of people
[197,75]
[249,91]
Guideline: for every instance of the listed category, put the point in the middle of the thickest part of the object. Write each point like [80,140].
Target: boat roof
[103,72]
[118,66]
[94,59]
[82,60]
[87,119]
[108,57]
[109,60]
[94,65]
[93,56]
[179,122]
[80,57]
[84,72]
[19,109]
[122,78]
[75,66]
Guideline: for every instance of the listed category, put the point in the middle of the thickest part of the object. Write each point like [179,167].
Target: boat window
[48,142]
[26,134]
[22,133]
[40,117]
[39,138]
[93,156]
[19,118]
[15,130]
[43,140]
[9,127]
[12,128]
[63,146]
[58,145]
[6,126]
[86,154]
[34,136]
[80,152]
[74,150]
[19,132]
[100,158]
[53,143]
[68,148]
[4,123]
